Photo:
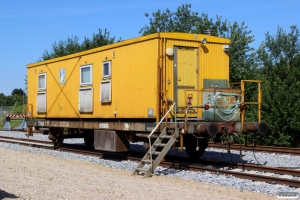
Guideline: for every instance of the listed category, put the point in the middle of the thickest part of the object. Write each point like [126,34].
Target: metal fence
[4,110]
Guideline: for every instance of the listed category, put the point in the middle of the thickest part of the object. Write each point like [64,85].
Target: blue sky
[28,28]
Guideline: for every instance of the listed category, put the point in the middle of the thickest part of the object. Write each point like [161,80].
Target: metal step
[155,153]
[159,144]
[146,160]
[165,136]
[158,155]
[141,169]
[145,135]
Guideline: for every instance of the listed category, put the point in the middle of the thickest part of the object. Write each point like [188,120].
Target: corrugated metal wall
[133,77]
[214,62]
[133,81]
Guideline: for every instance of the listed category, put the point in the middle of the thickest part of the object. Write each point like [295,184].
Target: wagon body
[121,80]
[169,83]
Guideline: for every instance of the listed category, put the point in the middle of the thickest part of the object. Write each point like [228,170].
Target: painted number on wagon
[103,125]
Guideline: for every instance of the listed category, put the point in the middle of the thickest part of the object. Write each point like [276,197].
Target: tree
[17,91]
[242,64]
[2,99]
[183,20]
[72,45]
[99,39]
[279,62]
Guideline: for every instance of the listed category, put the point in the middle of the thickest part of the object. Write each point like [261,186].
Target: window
[85,100]
[41,102]
[86,75]
[42,81]
[106,69]
[105,91]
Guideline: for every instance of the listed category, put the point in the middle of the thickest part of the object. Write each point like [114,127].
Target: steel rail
[182,164]
[268,149]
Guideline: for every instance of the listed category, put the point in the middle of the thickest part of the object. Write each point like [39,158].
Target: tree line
[276,62]
[16,100]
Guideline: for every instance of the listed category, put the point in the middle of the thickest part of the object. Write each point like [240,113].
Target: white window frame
[109,91]
[80,101]
[104,76]
[44,88]
[91,72]
[37,106]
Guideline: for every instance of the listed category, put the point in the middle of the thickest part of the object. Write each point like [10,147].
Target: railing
[259,98]
[149,137]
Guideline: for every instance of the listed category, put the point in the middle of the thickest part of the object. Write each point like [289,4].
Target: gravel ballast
[217,181]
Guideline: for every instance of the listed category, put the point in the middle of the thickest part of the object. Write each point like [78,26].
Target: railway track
[259,148]
[240,170]
[237,147]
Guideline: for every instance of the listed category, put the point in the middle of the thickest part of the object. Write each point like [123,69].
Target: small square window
[86,75]
[106,69]
[42,81]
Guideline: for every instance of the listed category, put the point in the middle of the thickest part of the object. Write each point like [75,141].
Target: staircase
[158,150]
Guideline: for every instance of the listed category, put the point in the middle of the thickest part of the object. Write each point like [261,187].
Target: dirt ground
[25,175]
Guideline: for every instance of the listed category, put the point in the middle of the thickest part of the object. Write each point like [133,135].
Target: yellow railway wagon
[120,92]
[120,80]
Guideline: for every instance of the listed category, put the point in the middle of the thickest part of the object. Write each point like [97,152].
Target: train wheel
[89,138]
[192,150]
[56,135]
[193,153]
[58,142]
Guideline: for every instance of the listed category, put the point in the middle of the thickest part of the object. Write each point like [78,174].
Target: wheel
[193,153]
[58,142]
[89,138]
[56,135]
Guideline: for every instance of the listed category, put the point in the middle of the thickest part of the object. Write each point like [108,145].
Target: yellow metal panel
[214,62]
[187,77]
[195,37]
[133,78]
[133,83]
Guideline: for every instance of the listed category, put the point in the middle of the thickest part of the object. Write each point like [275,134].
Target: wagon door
[186,79]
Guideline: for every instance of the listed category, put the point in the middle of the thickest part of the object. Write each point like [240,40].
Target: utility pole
[23,102]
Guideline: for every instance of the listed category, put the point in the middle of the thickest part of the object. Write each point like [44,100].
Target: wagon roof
[175,36]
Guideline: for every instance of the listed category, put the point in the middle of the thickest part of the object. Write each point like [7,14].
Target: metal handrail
[187,108]
[149,137]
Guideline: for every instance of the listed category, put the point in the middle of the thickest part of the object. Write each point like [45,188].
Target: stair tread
[160,144]
[142,169]
[165,136]
[147,160]
[154,135]
[155,152]
[158,154]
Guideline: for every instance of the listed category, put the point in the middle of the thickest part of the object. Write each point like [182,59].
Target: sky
[28,28]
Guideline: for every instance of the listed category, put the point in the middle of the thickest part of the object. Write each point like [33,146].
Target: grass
[14,123]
